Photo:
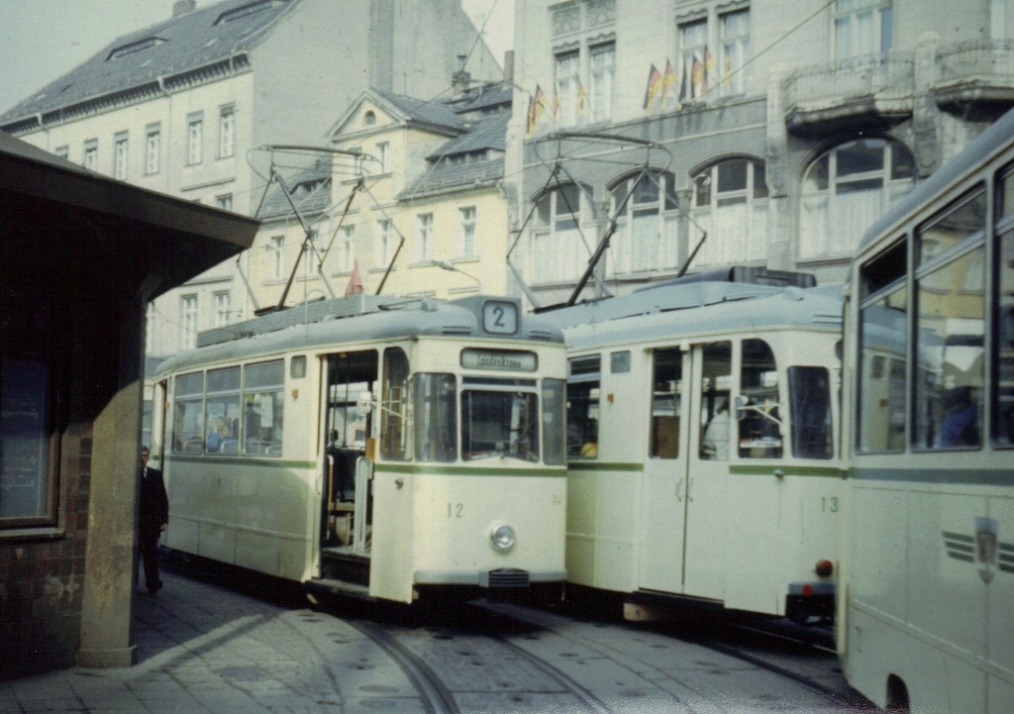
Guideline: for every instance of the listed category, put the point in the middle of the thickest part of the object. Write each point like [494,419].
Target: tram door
[688,446]
[347,511]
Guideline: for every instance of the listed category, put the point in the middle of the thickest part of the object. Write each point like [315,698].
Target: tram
[702,445]
[372,446]
[926,618]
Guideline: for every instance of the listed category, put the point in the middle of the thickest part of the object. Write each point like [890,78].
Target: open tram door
[347,498]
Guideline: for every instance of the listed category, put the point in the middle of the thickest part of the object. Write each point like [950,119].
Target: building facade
[778,129]
[182,107]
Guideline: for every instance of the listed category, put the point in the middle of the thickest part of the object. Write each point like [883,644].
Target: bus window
[394,406]
[553,418]
[583,407]
[436,425]
[960,223]
[222,412]
[949,341]
[263,404]
[666,403]
[716,382]
[760,431]
[188,422]
[1003,329]
[883,325]
[810,411]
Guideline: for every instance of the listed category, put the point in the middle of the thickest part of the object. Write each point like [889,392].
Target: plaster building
[82,254]
[182,107]
[781,128]
[432,175]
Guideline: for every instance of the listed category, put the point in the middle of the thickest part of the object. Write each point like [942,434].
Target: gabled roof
[309,202]
[205,36]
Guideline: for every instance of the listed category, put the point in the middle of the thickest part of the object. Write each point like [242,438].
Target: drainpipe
[168,131]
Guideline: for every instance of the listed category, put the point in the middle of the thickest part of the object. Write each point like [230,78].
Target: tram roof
[995,138]
[701,308]
[387,319]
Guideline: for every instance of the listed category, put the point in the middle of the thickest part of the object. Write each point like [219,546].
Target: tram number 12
[829,505]
[454,510]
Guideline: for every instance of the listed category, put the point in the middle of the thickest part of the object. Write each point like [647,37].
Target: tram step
[343,565]
[327,586]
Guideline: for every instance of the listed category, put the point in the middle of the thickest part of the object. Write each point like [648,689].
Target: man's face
[144,457]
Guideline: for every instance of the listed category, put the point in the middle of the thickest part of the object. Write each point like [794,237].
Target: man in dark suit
[154,518]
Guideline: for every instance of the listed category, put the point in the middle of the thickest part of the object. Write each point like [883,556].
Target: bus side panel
[393,526]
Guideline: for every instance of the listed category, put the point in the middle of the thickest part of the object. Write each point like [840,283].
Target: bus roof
[992,140]
[703,308]
[403,319]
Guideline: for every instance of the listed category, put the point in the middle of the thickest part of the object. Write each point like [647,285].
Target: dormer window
[244,11]
[133,47]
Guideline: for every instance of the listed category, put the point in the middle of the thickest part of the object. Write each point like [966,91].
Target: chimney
[182,7]
[460,79]
[508,69]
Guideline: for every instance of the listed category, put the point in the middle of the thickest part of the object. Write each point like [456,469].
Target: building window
[385,246]
[276,258]
[152,149]
[466,231]
[195,139]
[568,81]
[120,157]
[381,151]
[369,118]
[862,28]
[647,228]
[91,154]
[846,189]
[224,201]
[696,62]
[603,69]
[346,249]
[188,309]
[222,309]
[26,444]
[424,228]
[730,203]
[312,254]
[735,46]
[63,151]
[226,132]
[559,253]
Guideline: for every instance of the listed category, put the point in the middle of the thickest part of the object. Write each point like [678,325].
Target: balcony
[975,76]
[876,89]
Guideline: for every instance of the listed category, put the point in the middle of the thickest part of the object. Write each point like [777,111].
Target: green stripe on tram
[245,460]
[769,470]
[604,466]
[449,470]
[963,476]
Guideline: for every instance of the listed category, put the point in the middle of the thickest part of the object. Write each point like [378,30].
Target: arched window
[647,233]
[846,189]
[730,202]
[559,253]
[369,118]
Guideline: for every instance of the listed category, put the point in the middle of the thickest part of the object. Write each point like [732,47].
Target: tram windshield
[503,424]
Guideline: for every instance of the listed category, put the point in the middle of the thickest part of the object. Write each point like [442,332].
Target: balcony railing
[880,85]
[982,70]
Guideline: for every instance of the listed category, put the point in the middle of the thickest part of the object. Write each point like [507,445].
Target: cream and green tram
[926,618]
[406,444]
[702,445]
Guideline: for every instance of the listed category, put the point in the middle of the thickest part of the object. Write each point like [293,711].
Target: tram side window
[263,405]
[583,407]
[716,383]
[394,406]
[188,420]
[883,325]
[222,412]
[666,403]
[760,432]
[810,411]
[1003,330]
[436,427]
[553,419]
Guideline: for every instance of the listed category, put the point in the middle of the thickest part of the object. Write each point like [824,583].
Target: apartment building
[778,129]
[182,107]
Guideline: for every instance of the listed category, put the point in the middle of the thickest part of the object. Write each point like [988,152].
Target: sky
[42,39]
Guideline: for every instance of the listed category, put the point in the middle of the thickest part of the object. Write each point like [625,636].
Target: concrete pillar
[106,632]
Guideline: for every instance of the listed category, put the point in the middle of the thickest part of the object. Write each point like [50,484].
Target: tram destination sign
[499,360]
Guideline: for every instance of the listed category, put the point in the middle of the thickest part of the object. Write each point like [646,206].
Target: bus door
[664,505]
[346,510]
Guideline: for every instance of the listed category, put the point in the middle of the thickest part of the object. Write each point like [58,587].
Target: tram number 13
[454,510]
[829,504]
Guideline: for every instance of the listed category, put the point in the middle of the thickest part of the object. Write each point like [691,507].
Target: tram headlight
[502,537]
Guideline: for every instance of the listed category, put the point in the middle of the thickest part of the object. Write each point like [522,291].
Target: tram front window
[499,424]
[435,427]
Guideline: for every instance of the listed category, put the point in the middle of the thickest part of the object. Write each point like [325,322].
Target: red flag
[653,88]
[355,285]
[668,79]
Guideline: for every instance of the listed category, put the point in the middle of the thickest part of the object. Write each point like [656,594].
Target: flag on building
[556,106]
[685,89]
[580,96]
[653,89]
[355,286]
[698,77]
[727,79]
[668,79]
[536,105]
